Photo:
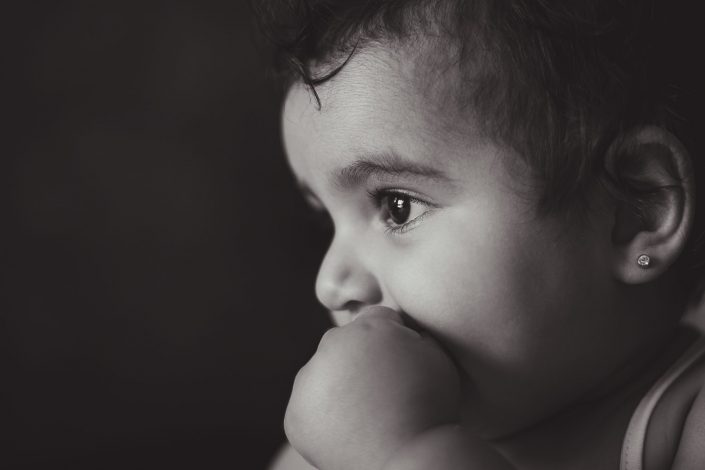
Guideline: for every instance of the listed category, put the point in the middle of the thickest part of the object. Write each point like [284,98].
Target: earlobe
[651,178]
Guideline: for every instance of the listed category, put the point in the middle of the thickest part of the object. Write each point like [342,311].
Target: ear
[655,195]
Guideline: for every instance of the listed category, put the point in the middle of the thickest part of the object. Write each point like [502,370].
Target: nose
[344,280]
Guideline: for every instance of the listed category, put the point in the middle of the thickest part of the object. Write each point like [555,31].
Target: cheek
[467,284]
[503,293]
[493,288]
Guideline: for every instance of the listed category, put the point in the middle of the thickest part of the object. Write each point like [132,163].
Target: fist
[372,386]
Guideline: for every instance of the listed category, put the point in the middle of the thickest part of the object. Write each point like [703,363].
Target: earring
[644,261]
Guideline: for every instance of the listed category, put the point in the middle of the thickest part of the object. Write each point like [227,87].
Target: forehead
[387,98]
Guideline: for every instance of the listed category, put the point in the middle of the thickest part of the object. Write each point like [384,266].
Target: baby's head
[494,170]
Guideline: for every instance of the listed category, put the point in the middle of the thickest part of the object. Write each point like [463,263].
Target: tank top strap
[634,440]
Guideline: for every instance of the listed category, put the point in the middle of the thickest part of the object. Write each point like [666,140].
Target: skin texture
[516,301]
[401,381]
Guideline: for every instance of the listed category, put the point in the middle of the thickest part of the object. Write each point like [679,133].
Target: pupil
[399,209]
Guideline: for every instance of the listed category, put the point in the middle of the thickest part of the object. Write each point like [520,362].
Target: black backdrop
[158,264]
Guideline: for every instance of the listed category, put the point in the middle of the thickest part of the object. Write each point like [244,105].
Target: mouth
[341,318]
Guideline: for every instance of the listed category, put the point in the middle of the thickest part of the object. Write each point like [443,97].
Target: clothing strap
[633,447]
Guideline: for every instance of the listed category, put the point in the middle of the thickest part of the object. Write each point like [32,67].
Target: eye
[398,207]
[401,211]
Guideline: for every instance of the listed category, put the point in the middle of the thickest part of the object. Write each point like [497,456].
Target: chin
[489,421]
[497,425]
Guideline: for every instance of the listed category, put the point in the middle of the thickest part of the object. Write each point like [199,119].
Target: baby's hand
[372,386]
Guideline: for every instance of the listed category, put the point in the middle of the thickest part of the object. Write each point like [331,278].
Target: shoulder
[288,459]
[690,449]
[673,407]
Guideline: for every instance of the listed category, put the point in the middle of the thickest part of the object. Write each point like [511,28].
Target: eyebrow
[384,164]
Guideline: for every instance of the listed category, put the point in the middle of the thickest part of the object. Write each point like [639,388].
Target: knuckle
[300,376]
[329,336]
[330,333]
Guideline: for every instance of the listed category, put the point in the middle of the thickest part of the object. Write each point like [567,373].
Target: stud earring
[644,261]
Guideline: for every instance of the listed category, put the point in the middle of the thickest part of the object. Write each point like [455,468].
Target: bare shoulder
[288,459]
[690,453]
[691,448]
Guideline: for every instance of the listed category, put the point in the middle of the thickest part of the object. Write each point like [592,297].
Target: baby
[514,210]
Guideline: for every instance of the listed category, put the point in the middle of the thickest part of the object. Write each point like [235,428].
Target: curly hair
[558,81]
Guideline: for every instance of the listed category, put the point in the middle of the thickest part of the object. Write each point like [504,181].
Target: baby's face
[429,221]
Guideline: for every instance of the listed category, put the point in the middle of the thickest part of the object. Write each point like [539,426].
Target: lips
[341,318]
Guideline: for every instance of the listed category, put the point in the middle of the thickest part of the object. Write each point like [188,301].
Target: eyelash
[379,196]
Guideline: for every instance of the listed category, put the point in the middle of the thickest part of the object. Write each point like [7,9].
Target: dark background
[158,263]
